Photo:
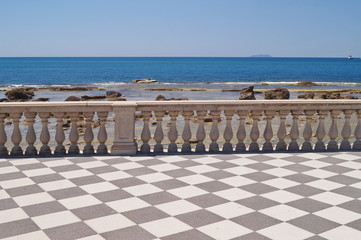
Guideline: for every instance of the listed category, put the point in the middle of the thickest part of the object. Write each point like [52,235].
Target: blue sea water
[69,71]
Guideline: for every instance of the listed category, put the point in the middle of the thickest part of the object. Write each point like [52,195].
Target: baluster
[321,132]
[30,135]
[187,134]
[88,135]
[16,135]
[281,133]
[228,132]
[44,135]
[201,133]
[307,132]
[346,131]
[74,135]
[145,135]
[59,134]
[294,133]
[173,133]
[241,133]
[254,134]
[102,134]
[333,132]
[3,137]
[158,135]
[357,144]
[214,134]
[268,131]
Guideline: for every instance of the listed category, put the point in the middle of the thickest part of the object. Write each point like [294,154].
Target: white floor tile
[241,170]
[143,189]
[177,207]
[237,181]
[230,210]
[110,176]
[31,199]
[331,198]
[234,194]
[320,173]
[109,223]
[19,182]
[164,167]
[281,196]
[12,214]
[195,179]
[315,164]
[127,166]
[283,212]
[285,231]
[38,172]
[341,233]
[224,230]
[38,235]
[9,169]
[56,185]
[76,174]
[279,172]
[339,215]
[165,227]
[55,219]
[207,160]
[78,202]
[127,204]
[98,187]
[281,183]
[57,163]
[324,184]
[187,191]
[92,164]
[154,177]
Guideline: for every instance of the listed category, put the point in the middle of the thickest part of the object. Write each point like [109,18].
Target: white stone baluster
[16,135]
[44,135]
[333,132]
[357,144]
[346,131]
[321,132]
[214,134]
[173,133]
[254,134]
[187,134]
[281,133]
[88,135]
[145,135]
[59,134]
[201,133]
[30,135]
[228,132]
[294,133]
[159,135]
[102,134]
[241,133]
[3,137]
[268,131]
[307,132]
[74,135]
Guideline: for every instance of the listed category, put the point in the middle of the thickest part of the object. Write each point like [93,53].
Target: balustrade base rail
[44,129]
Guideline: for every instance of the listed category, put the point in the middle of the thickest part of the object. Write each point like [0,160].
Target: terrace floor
[194,197]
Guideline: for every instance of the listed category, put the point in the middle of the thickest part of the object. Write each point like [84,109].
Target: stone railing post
[254,134]
[357,144]
[294,133]
[214,133]
[145,135]
[346,132]
[268,131]
[241,132]
[333,132]
[282,133]
[124,129]
[321,132]
[3,137]
[16,135]
[30,135]
[187,134]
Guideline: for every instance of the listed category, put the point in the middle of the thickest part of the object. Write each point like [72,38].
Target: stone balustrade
[179,127]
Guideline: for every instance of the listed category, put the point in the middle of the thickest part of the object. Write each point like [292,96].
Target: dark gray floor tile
[309,205]
[11,176]
[355,224]
[342,179]
[304,190]
[259,176]
[255,221]
[146,214]
[67,193]
[188,235]
[316,238]
[94,211]
[20,191]
[114,161]
[348,191]
[102,169]
[31,166]
[86,180]
[252,236]
[187,163]
[159,198]
[213,186]
[170,184]
[296,159]
[150,162]
[260,166]
[47,178]
[140,171]
[129,233]
[70,232]
[127,182]
[337,169]
[257,202]
[313,223]
[353,206]
[258,188]
[112,195]
[66,168]
[43,208]
[176,173]
[219,174]
[223,165]
[207,200]
[199,218]
[301,178]
[298,168]
[7,204]
[14,228]
[260,157]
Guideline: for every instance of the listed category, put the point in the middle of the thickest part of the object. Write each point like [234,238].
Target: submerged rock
[144,80]
[278,93]
[247,93]
[113,94]
[86,97]
[73,88]
[307,96]
[41,100]
[162,98]
[72,98]
[19,94]
[307,84]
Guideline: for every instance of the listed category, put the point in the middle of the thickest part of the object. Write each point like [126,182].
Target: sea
[215,73]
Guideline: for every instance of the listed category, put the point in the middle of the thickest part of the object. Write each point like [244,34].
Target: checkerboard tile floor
[193,197]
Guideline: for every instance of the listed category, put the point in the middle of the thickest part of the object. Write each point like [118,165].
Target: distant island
[262,56]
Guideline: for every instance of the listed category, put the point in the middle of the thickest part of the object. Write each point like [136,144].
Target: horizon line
[162,57]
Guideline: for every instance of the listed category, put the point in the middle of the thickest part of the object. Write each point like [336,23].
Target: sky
[180,28]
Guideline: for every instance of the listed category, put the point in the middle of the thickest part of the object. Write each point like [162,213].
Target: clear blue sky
[235,28]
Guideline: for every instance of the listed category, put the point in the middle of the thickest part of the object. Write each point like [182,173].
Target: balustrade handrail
[125,129]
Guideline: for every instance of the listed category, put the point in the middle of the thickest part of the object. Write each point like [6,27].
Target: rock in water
[307,96]
[307,84]
[278,93]
[113,94]
[19,94]
[85,97]
[247,93]
[144,80]
[72,98]
[162,98]
[41,100]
